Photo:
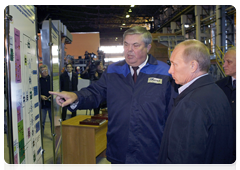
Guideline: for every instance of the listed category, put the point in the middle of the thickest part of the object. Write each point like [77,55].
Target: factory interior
[80,34]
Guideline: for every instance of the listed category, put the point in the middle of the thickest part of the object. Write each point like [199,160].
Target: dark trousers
[64,113]
[96,111]
[133,167]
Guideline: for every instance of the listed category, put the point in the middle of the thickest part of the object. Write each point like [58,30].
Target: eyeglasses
[44,71]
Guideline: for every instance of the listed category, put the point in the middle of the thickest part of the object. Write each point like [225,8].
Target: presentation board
[24,78]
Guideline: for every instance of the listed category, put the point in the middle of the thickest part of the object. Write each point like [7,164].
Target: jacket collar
[202,81]
[228,83]
[47,77]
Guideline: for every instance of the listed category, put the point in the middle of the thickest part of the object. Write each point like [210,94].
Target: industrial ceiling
[112,20]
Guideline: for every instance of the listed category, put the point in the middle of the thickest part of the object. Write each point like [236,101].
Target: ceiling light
[123,24]
[129,10]
[132,5]
[127,16]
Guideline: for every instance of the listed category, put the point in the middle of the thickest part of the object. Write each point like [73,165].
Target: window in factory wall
[113,59]
[111,49]
[112,53]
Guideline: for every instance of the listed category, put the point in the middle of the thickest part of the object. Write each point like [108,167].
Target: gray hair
[147,37]
[196,50]
[232,49]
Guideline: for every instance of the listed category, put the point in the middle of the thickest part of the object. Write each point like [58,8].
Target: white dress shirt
[70,76]
[140,66]
[233,80]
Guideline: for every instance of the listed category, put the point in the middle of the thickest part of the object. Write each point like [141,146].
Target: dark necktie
[135,74]
[234,84]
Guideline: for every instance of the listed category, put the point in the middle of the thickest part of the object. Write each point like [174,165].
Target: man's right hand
[44,97]
[64,98]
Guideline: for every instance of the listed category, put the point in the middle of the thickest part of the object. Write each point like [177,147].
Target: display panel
[26,131]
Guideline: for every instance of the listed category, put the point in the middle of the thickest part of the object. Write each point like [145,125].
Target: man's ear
[194,66]
[149,47]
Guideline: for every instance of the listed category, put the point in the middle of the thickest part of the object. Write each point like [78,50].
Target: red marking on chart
[17,55]
[19,114]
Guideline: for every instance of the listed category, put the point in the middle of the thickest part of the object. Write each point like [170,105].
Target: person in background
[45,96]
[139,93]
[228,85]
[96,72]
[199,128]
[68,82]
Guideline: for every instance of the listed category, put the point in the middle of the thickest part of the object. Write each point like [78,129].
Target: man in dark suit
[199,127]
[228,85]
[68,82]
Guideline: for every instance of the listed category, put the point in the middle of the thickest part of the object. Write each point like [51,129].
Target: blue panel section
[34,71]
[36,117]
[39,150]
[37,126]
[35,89]
[36,105]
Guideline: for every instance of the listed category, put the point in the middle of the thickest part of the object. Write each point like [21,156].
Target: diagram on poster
[27,144]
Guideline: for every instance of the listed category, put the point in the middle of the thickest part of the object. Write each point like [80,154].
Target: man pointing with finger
[139,93]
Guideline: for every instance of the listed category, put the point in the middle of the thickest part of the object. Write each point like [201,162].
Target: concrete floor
[48,144]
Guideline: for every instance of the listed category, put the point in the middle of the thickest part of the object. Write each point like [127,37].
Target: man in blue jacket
[199,128]
[139,92]
[228,85]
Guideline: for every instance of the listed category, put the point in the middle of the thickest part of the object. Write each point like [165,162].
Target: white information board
[26,129]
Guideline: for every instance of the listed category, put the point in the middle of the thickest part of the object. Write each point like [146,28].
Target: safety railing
[219,59]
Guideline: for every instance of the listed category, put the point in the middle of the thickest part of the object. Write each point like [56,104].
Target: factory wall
[82,42]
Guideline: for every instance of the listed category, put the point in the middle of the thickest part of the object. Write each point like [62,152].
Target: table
[81,144]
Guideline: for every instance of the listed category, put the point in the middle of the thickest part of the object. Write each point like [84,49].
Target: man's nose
[224,64]
[130,48]
[170,71]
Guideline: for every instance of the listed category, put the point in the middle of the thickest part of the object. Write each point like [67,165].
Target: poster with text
[24,86]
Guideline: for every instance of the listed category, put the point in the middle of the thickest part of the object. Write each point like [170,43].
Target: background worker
[228,85]
[68,82]
[45,96]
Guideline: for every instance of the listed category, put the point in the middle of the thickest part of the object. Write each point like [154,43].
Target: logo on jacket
[154,80]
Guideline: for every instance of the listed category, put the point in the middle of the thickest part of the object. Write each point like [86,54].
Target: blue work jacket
[137,112]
